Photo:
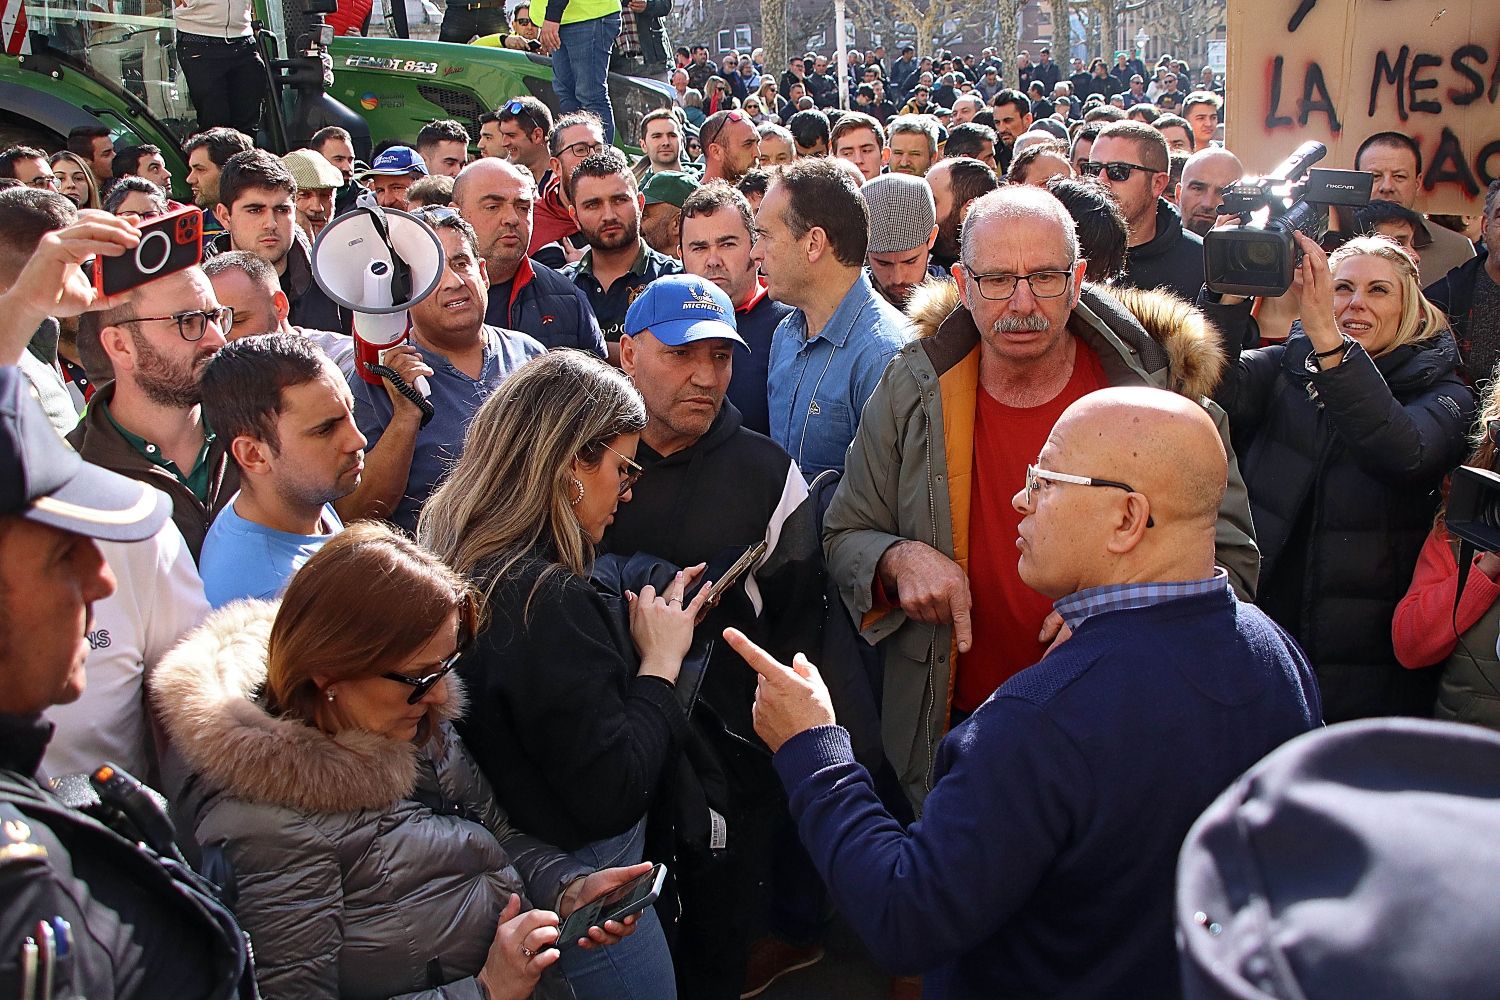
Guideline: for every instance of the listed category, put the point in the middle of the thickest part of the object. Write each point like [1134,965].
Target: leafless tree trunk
[773,34]
[1062,31]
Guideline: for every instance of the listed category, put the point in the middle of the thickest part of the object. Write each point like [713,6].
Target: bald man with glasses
[1044,861]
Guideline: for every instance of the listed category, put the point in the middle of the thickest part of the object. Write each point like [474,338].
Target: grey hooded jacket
[364,867]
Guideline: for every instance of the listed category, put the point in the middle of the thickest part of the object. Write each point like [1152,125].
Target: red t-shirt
[1007,614]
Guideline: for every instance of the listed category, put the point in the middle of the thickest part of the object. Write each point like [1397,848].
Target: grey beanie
[902,212]
[1357,862]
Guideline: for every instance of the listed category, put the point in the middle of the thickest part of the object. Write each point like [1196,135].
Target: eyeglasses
[1116,170]
[581,150]
[524,22]
[1035,475]
[516,109]
[632,476]
[421,685]
[1492,429]
[708,133]
[193,324]
[1043,284]
[44,181]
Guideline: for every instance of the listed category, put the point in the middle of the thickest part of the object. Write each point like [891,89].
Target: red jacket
[1422,629]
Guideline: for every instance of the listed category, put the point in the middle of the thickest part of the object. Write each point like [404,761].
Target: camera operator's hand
[551,37]
[53,282]
[407,362]
[1317,299]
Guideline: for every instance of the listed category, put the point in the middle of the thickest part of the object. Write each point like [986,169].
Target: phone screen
[620,902]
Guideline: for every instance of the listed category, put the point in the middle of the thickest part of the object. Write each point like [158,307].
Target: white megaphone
[378,263]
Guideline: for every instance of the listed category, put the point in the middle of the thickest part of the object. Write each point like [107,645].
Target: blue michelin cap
[681,308]
[396,161]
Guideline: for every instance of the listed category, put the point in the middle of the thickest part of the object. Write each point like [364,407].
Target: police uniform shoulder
[17,843]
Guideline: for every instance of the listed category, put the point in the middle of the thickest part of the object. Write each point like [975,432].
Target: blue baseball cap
[681,308]
[396,161]
[44,480]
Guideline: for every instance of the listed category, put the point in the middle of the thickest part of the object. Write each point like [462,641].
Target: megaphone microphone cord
[406,389]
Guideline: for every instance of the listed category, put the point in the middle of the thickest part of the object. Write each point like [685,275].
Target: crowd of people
[1048,543]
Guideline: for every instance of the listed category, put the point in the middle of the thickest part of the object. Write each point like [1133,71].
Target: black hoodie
[1172,259]
[733,487]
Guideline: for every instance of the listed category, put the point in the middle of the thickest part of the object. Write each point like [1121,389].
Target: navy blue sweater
[1043,863]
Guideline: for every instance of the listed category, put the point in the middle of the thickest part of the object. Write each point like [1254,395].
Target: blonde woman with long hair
[1345,433]
[573,721]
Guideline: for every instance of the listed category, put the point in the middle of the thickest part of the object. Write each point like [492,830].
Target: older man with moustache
[317,182]
[573,138]
[1034,870]
[923,552]
[497,197]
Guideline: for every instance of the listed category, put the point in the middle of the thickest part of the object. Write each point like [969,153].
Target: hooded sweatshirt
[733,487]
[1172,259]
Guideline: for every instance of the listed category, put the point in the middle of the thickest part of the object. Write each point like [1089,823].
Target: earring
[329,693]
[579,498]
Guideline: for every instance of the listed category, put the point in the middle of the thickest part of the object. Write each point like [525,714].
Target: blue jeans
[639,967]
[580,69]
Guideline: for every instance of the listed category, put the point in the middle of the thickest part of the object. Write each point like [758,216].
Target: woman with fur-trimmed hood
[363,850]
[911,472]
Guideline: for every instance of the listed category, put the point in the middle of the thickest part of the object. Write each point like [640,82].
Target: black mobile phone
[624,901]
[169,243]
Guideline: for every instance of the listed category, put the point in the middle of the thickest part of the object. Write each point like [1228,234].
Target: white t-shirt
[159,599]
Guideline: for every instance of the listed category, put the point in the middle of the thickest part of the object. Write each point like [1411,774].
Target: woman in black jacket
[1345,434]
[572,735]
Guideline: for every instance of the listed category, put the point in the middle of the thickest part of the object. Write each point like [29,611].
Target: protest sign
[1339,70]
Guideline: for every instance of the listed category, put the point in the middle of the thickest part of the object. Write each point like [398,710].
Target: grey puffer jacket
[364,867]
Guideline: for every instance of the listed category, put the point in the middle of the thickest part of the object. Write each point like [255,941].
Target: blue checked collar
[1078,608]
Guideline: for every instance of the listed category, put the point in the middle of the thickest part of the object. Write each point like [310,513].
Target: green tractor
[74,62]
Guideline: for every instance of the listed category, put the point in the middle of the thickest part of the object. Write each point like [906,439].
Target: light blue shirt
[244,559]
[818,388]
[455,399]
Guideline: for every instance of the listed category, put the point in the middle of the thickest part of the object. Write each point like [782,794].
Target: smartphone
[731,576]
[169,243]
[617,904]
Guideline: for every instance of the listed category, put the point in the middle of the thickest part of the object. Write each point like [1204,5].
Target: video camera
[1258,258]
[1474,508]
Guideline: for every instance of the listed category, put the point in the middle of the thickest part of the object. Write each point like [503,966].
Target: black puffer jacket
[1343,468]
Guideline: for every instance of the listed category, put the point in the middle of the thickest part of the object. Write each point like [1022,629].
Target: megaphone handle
[416,394]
